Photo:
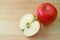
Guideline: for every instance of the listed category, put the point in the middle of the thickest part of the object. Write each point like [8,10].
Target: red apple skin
[46,13]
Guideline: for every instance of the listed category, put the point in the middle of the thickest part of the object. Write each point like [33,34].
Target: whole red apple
[46,13]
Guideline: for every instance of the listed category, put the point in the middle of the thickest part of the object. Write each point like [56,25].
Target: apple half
[29,25]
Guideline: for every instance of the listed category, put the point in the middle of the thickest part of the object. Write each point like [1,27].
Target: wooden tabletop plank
[11,12]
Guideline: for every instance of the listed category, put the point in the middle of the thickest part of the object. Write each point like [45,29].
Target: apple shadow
[43,33]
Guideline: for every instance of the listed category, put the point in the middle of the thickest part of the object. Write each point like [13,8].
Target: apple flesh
[29,25]
[46,13]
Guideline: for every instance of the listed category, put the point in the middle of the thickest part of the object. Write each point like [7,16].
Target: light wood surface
[12,10]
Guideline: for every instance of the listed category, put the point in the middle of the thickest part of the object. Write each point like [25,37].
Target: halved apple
[29,25]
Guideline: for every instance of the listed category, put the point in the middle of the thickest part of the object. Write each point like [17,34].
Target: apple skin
[46,13]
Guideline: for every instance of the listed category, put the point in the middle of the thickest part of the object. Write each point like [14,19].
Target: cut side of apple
[29,25]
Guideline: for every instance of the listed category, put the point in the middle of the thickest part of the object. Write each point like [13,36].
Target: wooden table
[12,10]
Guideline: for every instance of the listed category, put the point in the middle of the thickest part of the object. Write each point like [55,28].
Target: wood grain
[11,12]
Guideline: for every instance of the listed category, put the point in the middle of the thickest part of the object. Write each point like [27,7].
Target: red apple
[46,13]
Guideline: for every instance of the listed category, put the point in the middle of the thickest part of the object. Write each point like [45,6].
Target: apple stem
[35,18]
[47,8]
